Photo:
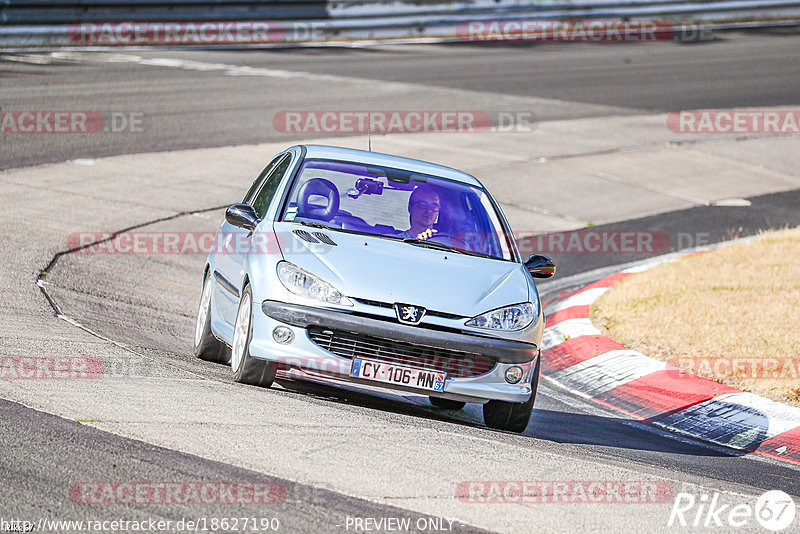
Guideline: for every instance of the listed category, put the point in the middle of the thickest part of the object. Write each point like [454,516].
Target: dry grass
[740,303]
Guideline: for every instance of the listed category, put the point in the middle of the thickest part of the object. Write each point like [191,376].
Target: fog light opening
[283,335]
[514,374]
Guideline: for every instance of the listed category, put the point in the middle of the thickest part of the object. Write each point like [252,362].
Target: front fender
[260,265]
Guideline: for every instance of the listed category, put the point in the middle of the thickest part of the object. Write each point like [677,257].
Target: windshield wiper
[410,240]
[442,246]
[317,225]
[428,244]
[473,253]
[313,224]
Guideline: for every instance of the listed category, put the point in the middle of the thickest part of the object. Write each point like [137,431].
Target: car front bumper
[306,355]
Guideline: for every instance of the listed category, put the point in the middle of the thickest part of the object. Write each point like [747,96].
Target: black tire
[447,404]
[251,370]
[512,416]
[207,347]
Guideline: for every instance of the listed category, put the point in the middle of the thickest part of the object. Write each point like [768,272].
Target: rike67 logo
[774,510]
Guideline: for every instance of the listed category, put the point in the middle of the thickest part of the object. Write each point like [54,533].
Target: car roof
[387,160]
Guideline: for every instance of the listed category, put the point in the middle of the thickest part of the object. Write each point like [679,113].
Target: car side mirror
[540,266]
[243,216]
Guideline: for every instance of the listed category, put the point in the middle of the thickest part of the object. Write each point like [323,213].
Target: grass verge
[731,315]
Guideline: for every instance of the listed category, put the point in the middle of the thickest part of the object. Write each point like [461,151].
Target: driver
[423,210]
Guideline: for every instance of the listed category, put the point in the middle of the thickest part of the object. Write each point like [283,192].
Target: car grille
[431,313]
[350,345]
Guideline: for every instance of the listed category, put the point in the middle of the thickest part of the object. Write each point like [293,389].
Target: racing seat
[319,187]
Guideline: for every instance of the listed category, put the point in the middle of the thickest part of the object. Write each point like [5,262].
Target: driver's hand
[426,234]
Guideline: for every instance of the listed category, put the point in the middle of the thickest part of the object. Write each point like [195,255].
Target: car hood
[366,267]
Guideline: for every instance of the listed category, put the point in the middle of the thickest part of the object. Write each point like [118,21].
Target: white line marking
[34,59]
[559,333]
[608,371]
[584,298]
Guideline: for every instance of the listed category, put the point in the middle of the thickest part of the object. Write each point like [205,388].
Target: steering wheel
[454,241]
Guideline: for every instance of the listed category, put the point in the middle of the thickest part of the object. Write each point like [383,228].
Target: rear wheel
[206,346]
[447,404]
[245,368]
[512,416]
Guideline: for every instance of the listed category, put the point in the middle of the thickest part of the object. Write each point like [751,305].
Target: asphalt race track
[339,454]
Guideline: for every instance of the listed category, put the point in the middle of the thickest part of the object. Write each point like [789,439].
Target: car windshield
[425,210]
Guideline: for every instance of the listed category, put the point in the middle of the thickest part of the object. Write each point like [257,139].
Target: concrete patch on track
[160,394]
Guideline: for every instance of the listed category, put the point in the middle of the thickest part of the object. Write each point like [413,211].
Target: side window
[248,198]
[264,197]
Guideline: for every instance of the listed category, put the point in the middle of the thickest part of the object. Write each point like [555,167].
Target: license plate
[391,373]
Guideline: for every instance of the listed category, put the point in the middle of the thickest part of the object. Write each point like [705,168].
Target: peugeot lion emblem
[408,313]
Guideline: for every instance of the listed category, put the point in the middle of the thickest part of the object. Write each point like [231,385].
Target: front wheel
[245,368]
[206,346]
[512,416]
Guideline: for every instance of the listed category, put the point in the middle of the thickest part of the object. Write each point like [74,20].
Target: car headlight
[307,285]
[514,317]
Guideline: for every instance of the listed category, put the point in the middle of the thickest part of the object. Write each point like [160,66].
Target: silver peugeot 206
[380,271]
